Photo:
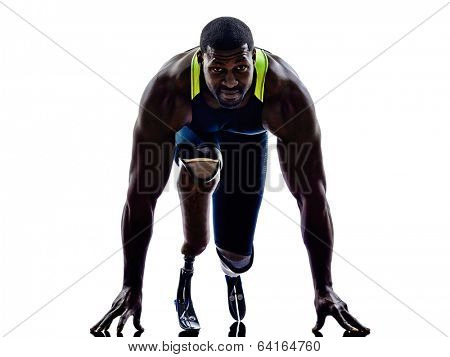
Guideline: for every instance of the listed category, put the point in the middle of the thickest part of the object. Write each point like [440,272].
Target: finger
[108,324]
[355,322]
[341,321]
[95,327]
[97,334]
[137,320]
[320,322]
[107,319]
[122,321]
[317,334]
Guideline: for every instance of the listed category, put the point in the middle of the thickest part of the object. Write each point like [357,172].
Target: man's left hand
[329,303]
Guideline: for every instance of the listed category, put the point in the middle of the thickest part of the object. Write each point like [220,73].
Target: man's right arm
[161,114]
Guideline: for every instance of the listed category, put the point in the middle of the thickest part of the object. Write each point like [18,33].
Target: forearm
[317,231]
[137,228]
[301,164]
[149,172]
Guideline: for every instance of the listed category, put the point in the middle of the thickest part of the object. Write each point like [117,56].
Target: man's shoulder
[282,81]
[289,108]
[176,72]
[167,95]
[173,78]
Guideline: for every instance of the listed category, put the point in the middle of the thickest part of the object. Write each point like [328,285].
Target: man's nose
[229,80]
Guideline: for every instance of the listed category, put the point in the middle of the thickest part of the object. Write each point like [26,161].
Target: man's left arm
[293,120]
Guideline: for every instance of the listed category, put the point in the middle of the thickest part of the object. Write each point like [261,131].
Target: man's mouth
[230,94]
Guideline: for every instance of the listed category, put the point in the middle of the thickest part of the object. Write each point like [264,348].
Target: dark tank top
[245,120]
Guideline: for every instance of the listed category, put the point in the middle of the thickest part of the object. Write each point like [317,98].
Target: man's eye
[217,70]
[242,67]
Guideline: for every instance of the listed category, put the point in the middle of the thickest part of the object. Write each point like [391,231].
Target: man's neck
[212,102]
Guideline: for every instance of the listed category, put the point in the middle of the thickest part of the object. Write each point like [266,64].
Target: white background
[65,145]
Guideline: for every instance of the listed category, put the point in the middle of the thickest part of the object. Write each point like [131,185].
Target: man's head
[227,56]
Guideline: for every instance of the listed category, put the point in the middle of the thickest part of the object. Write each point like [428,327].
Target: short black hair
[225,33]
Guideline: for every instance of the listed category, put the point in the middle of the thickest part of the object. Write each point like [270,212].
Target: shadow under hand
[346,334]
[119,334]
[136,334]
[189,333]
[355,334]
[237,329]
[98,334]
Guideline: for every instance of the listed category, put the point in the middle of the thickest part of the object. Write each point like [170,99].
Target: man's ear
[200,57]
[254,55]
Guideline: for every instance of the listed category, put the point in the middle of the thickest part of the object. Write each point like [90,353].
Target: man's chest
[245,120]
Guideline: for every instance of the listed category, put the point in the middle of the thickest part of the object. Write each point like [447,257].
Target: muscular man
[209,109]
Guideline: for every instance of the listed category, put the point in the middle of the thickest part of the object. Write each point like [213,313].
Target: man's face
[228,74]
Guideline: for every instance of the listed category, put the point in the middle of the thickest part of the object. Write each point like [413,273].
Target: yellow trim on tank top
[261,65]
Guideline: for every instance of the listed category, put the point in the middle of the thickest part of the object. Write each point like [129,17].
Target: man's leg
[233,264]
[200,172]
[236,204]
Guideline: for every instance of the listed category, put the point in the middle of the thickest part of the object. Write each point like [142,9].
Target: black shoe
[236,300]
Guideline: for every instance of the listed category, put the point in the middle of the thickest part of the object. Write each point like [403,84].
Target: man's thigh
[238,196]
[187,139]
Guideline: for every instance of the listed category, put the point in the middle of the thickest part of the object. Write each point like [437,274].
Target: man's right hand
[127,303]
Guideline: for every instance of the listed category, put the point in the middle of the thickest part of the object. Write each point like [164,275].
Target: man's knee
[234,264]
[188,184]
[200,168]
[193,248]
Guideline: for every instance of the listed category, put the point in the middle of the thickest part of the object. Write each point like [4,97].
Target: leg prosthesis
[183,303]
[233,265]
